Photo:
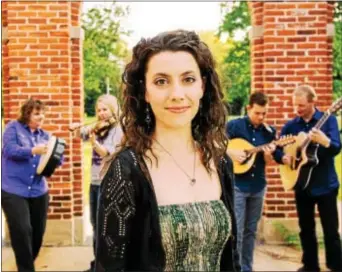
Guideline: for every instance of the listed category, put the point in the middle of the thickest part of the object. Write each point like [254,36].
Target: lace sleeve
[115,215]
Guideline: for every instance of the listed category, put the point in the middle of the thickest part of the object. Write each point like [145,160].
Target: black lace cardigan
[128,232]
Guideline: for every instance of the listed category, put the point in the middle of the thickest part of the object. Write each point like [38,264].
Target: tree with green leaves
[103,51]
[237,73]
[218,49]
[337,51]
[237,62]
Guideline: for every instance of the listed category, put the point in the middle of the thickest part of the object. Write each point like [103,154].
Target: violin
[102,127]
[99,127]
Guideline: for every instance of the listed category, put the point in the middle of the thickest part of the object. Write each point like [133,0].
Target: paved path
[264,262]
[77,259]
[267,258]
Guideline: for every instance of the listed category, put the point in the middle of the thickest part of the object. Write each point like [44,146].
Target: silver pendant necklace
[192,179]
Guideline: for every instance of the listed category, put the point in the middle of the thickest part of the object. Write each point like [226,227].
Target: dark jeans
[94,195]
[26,219]
[327,207]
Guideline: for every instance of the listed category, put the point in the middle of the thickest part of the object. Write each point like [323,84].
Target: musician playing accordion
[25,194]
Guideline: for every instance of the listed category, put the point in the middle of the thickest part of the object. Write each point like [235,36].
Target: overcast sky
[147,19]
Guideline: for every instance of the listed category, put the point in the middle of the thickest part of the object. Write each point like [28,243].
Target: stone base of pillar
[58,233]
[80,235]
[277,231]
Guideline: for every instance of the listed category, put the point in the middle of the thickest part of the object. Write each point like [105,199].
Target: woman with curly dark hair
[167,198]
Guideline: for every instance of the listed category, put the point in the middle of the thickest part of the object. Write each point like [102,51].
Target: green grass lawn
[87,151]
[87,170]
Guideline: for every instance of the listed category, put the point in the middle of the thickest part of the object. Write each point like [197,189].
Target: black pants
[327,208]
[94,194]
[26,219]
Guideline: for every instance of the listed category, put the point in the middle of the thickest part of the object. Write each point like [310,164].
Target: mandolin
[251,151]
[304,154]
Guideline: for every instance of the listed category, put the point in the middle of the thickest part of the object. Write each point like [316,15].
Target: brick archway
[42,58]
[291,43]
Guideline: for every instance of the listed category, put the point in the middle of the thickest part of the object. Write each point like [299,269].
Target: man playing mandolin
[318,183]
[250,185]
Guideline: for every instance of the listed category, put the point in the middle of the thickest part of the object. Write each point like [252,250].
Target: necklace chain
[192,179]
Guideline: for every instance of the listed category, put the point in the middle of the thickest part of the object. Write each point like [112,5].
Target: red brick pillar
[291,44]
[77,116]
[42,59]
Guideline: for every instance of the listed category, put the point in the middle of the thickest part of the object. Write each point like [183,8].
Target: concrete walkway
[267,257]
[78,258]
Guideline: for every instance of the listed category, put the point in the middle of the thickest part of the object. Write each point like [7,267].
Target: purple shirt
[18,165]
[111,141]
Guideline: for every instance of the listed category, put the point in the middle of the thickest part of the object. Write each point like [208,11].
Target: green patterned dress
[194,235]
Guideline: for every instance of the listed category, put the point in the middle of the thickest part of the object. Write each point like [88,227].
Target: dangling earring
[148,117]
[201,109]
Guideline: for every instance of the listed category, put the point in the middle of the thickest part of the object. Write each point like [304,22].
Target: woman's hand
[39,149]
[98,148]
[74,126]
[92,138]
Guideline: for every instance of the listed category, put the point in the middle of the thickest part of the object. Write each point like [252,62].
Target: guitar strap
[268,128]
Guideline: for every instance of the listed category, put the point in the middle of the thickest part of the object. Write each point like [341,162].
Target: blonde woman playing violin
[104,136]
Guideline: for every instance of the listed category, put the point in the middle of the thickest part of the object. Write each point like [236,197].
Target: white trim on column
[4,34]
[76,32]
[330,30]
[255,32]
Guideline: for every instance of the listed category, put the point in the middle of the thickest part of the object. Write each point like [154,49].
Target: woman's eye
[160,82]
[189,80]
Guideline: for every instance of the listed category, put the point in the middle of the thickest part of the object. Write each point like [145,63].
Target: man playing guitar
[323,182]
[250,186]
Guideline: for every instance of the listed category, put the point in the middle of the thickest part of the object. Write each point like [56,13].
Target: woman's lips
[178,109]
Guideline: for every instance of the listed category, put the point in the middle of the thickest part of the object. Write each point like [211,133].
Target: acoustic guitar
[251,151]
[298,174]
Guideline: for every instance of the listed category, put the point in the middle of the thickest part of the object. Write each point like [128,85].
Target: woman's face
[102,111]
[174,87]
[36,118]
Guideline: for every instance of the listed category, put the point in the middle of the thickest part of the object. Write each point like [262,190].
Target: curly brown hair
[27,108]
[209,122]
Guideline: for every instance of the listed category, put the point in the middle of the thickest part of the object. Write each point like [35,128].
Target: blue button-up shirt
[323,178]
[18,164]
[253,180]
